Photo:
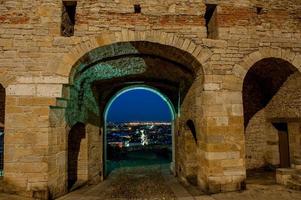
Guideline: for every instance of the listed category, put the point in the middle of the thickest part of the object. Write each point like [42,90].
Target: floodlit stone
[233,74]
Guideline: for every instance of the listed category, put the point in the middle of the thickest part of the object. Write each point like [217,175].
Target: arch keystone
[276,52]
[265,51]
[131,35]
[124,35]
[105,39]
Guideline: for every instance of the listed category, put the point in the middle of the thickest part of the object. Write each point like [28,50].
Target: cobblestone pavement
[151,182]
[156,183]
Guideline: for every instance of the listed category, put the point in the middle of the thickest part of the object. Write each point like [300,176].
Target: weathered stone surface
[37,63]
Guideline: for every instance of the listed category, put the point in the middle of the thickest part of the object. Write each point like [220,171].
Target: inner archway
[271,116]
[138,129]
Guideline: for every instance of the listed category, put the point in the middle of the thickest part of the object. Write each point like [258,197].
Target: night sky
[139,105]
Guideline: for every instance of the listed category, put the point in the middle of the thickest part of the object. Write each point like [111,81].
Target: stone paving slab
[156,183]
[261,192]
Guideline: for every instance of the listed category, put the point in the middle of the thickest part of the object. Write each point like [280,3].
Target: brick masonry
[36,63]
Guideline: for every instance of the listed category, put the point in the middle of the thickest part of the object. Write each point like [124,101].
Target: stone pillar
[26,143]
[32,149]
[57,158]
[95,153]
[83,159]
[222,154]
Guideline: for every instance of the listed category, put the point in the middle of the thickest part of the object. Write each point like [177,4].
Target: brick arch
[63,66]
[240,70]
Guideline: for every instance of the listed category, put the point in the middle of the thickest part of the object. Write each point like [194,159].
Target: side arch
[269,82]
[63,66]
[240,70]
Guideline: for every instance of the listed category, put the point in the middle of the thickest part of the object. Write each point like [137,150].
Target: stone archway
[240,70]
[105,69]
[63,65]
[269,88]
[167,150]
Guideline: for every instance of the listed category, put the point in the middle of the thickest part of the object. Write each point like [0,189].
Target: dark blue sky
[139,105]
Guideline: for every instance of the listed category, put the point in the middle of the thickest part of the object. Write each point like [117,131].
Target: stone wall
[262,146]
[286,107]
[287,102]
[35,62]
[57,153]
[187,146]
[261,142]
[26,144]
[2,104]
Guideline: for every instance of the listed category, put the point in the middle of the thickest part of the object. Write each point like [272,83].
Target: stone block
[36,101]
[21,90]
[283,175]
[49,90]
[222,155]
[211,87]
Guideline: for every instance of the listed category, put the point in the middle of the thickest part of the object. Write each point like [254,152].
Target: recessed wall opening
[262,82]
[191,127]
[137,8]
[259,10]
[138,129]
[190,145]
[211,21]
[266,86]
[284,153]
[68,18]
[77,157]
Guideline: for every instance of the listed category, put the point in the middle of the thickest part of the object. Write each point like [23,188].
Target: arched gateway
[209,144]
[211,155]
[229,68]
[101,72]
